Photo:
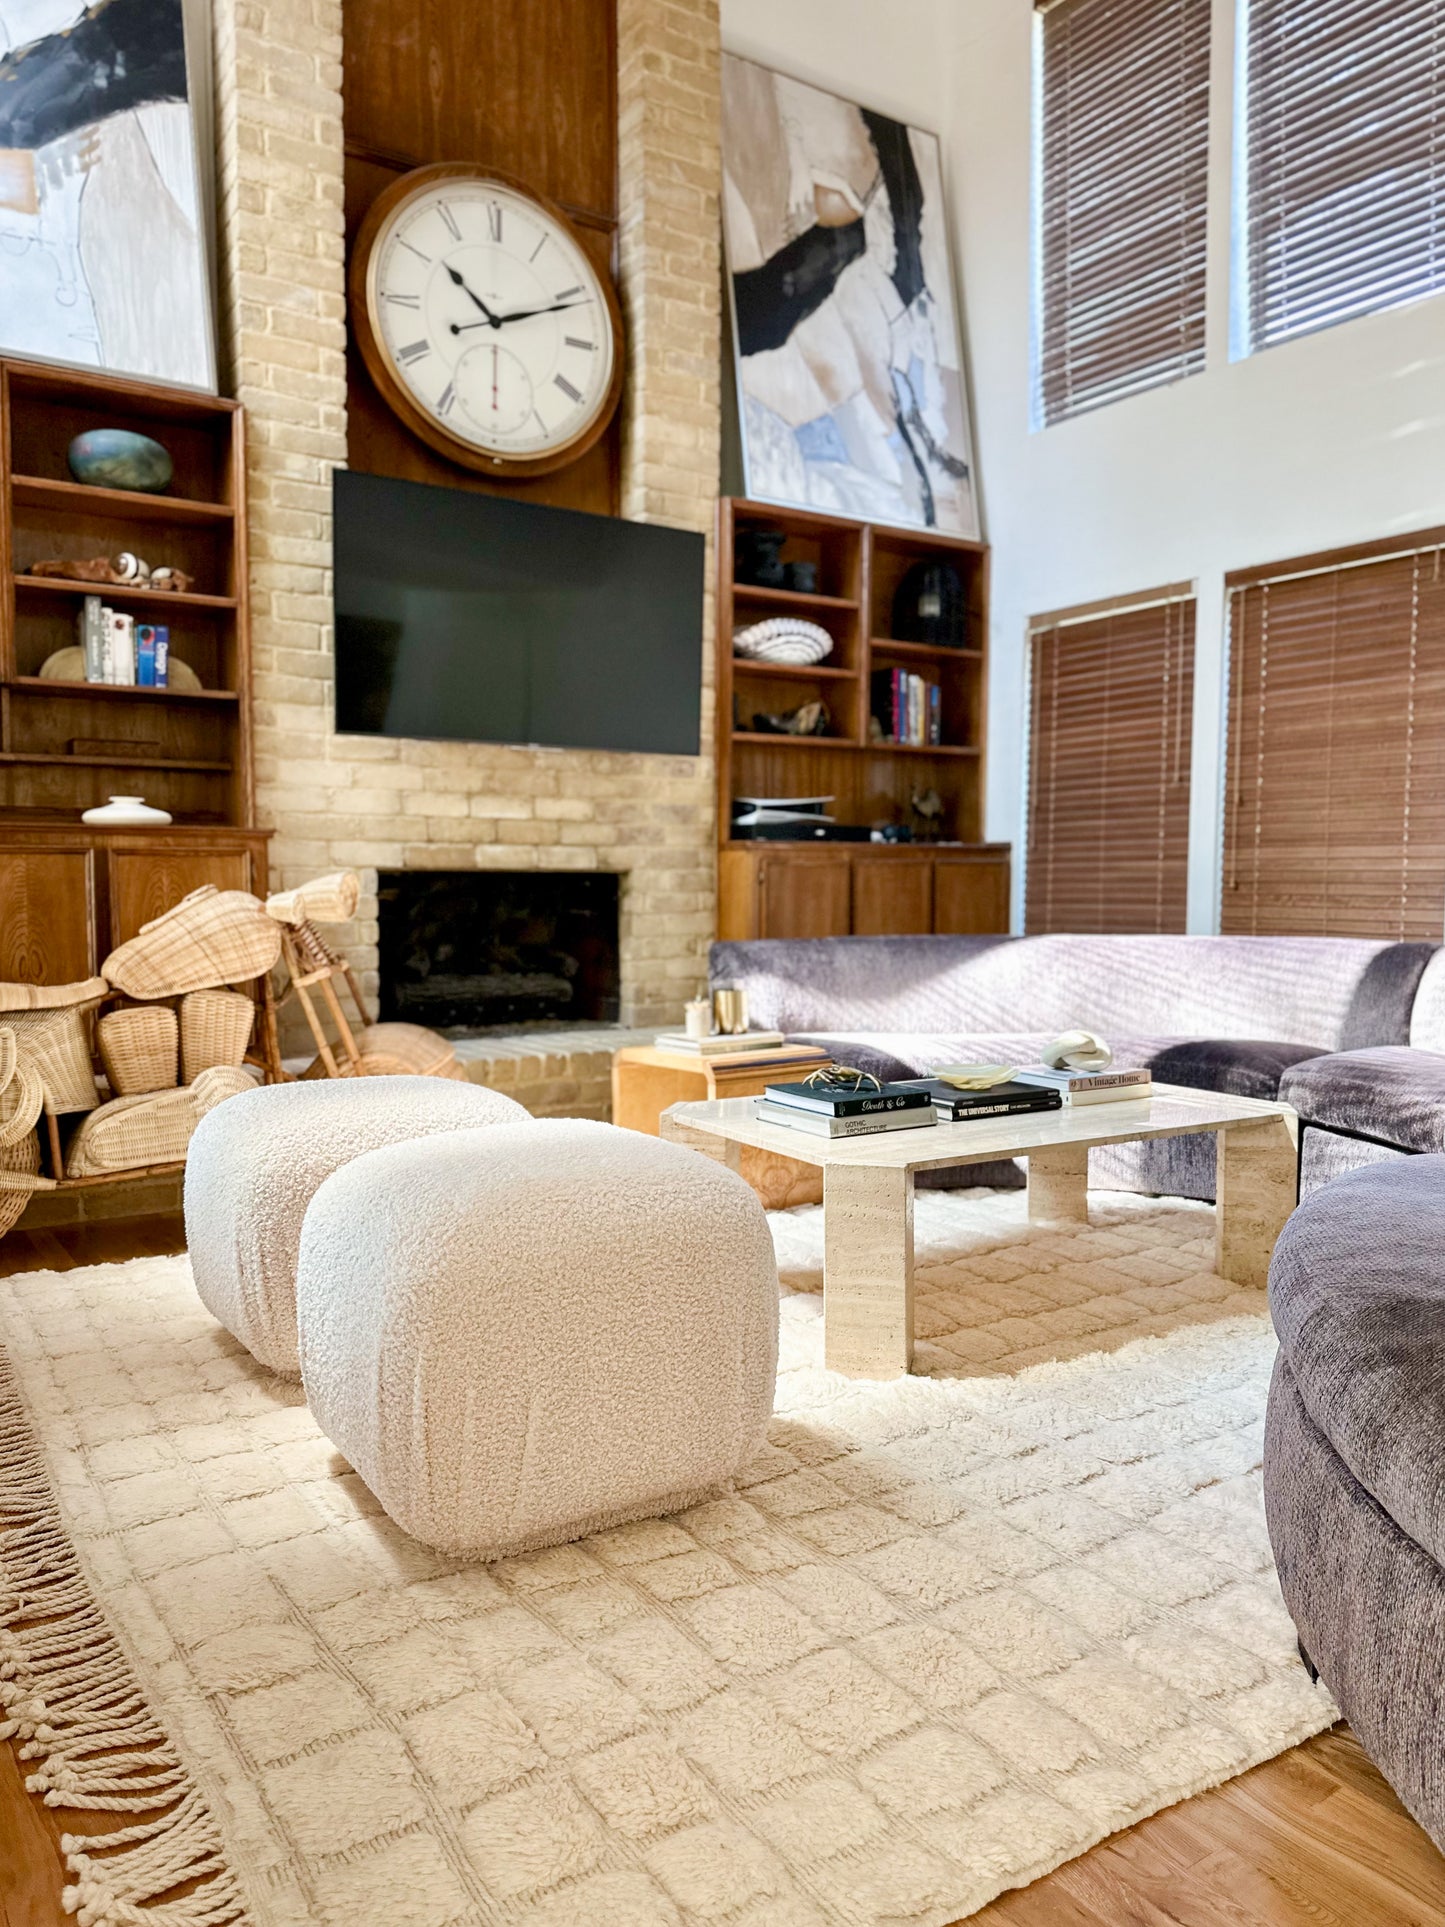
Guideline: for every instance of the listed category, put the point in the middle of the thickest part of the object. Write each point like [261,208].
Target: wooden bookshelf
[824,889]
[188,752]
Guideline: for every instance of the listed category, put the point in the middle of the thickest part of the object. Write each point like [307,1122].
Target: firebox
[468,951]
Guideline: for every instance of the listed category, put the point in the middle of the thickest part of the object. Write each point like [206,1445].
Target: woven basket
[22,1098]
[396,1050]
[215,1029]
[138,1047]
[52,1031]
[328,899]
[211,937]
[132,1132]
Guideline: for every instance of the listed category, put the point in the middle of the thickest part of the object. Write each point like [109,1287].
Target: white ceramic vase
[126,813]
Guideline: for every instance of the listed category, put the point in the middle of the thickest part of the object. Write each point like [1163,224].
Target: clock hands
[492,321]
[501,320]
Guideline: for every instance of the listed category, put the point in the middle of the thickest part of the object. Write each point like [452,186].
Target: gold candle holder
[730,1008]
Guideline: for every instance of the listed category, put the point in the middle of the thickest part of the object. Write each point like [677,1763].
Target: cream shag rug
[947,1633]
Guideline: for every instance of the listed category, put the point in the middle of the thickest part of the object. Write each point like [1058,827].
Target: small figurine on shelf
[927,806]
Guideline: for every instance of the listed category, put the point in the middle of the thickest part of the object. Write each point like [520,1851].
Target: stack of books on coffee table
[825,1110]
[1113,1086]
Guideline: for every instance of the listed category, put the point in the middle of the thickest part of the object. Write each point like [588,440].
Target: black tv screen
[487,620]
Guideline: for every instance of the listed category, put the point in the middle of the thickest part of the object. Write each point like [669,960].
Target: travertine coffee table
[868,1192]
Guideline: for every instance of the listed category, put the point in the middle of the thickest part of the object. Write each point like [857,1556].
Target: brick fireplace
[405,806]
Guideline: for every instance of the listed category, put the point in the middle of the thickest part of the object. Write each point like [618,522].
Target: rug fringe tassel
[68,1695]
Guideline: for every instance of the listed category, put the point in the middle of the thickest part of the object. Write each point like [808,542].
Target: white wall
[1333,439]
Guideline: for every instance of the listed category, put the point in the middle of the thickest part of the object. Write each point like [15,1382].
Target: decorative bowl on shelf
[126,813]
[119,458]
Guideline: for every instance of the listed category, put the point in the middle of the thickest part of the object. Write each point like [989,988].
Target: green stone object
[118,458]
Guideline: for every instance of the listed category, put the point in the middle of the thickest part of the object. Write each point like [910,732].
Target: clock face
[490,318]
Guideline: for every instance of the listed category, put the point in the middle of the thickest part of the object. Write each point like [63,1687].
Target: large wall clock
[482,321]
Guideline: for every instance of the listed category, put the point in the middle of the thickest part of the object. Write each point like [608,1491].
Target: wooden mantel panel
[526,86]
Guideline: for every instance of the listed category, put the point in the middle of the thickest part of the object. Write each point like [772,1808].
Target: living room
[722,962]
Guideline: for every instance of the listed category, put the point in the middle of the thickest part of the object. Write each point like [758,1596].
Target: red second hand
[494,378]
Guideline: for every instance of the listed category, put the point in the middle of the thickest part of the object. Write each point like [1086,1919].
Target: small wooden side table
[647,1081]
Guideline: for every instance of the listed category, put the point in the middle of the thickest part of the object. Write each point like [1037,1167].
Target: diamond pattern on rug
[947,1632]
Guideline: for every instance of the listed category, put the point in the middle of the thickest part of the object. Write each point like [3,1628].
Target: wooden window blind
[1123,178]
[1335,779]
[1345,158]
[1108,817]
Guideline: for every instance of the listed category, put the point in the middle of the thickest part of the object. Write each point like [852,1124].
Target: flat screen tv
[483,619]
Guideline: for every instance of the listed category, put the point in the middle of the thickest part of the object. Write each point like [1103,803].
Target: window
[1343,196]
[1123,117]
[1335,785]
[1108,819]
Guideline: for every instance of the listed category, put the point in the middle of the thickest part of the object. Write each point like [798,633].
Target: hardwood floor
[1312,1839]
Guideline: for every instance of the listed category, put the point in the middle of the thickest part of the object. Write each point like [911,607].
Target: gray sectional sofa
[1354,1472]
[1350,1032]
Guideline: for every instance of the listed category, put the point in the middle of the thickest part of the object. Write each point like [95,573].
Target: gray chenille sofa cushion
[1357,1292]
[1394,1096]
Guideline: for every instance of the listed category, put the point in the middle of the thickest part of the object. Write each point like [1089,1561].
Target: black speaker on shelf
[929,606]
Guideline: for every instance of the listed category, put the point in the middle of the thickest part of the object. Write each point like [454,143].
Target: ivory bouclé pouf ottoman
[521,1335]
[255,1163]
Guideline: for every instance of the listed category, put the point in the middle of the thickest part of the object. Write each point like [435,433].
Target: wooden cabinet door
[46,917]
[804,893]
[892,896]
[971,896]
[146,883]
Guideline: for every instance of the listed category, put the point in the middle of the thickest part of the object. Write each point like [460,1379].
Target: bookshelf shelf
[122,592]
[124,504]
[117,692]
[794,599]
[799,672]
[957,883]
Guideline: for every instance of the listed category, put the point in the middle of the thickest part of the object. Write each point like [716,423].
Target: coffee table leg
[1256,1189]
[1059,1185]
[867,1271]
[721,1150]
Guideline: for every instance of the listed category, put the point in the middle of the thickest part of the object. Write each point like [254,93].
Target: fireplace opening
[470,951]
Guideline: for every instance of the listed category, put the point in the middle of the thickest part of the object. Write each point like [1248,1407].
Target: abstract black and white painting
[850,371]
[102,246]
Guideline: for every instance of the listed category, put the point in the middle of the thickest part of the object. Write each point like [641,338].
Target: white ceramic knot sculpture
[1079,1050]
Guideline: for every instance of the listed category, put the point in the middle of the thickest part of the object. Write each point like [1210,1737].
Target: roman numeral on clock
[565,294]
[494,220]
[450,219]
[572,394]
[404,300]
[413,351]
[445,399]
[572,342]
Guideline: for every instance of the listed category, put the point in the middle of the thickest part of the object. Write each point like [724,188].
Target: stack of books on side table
[828,1111]
[1089,1087]
[738,1044]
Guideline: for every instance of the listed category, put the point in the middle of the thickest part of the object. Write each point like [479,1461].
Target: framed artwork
[851,394]
[102,241]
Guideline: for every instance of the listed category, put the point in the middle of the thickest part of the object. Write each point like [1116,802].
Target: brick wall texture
[374,804]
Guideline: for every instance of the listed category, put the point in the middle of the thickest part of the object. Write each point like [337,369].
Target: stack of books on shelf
[909,710]
[830,1111]
[1089,1087]
[118,649]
